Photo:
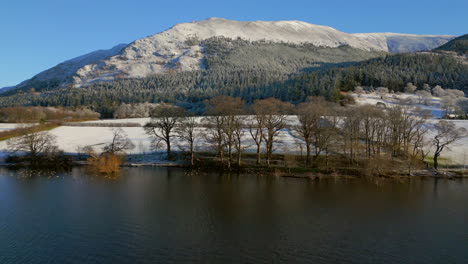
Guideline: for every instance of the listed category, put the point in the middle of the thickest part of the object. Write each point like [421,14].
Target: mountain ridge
[178,49]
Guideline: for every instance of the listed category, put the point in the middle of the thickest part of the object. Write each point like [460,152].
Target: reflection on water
[159,215]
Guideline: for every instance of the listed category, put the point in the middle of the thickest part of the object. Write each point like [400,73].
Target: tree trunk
[258,154]
[269,153]
[229,155]
[169,154]
[308,154]
[436,163]
[192,155]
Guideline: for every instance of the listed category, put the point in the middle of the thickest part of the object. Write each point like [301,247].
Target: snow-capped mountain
[65,70]
[178,48]
[400,43]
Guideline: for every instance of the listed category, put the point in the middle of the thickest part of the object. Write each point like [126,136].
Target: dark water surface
[159,215]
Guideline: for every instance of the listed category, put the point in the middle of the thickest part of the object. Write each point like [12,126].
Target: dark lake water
[159,215]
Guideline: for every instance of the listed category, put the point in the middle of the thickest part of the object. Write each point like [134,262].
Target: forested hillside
[458,45]
[254,70]
[392,71]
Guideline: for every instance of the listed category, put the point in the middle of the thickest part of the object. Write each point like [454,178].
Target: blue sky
[38,34]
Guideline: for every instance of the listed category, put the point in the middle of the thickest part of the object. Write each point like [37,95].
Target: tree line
[370,137]
[357,135]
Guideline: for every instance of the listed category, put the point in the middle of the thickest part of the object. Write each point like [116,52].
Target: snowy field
[394,99]
[10,126]
[71,138]
[7,126]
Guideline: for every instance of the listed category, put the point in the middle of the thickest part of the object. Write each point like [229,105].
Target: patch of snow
[394,99]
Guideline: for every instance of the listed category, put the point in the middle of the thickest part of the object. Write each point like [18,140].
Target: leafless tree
[120,142]
[225,122]
[186,131]
[239,132]
[255,127]
[164,118]
[317,123]
[33,143]
[273,115]
[446,133]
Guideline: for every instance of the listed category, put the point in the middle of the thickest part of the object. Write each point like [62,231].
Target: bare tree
[272,112]
[33,143]
[239,132]
[186,131]
[164,118]
[446,133]
[214,134]
[120,142]
[350,132]
[255,127]
[317,123]
[225,121]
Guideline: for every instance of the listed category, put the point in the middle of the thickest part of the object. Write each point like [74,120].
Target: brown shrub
[107,163]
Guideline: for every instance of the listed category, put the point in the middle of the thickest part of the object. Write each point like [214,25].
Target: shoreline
[208,163]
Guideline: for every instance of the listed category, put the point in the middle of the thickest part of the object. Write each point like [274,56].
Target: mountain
[401,43]
[190,88]
[63,72]
[458,45]
[183,48]
[6,89]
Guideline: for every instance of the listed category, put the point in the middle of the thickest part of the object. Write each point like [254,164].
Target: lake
[167,215]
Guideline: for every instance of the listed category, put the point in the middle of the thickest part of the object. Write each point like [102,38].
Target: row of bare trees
[224,128]
[355,133]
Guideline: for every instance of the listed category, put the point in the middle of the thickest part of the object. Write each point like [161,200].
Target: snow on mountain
[173,50]
[63,71]
[399,43]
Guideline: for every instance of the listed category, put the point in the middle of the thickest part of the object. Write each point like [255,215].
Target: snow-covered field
[7,126]
[71,138]
[390,99]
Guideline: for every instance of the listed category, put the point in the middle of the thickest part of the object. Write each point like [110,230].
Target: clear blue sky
[38,34]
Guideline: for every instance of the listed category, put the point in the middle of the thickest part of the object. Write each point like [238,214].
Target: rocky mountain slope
[181,48]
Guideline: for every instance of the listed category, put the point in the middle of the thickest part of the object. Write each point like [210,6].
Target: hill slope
[190,88]
[181,48]
[458,45]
